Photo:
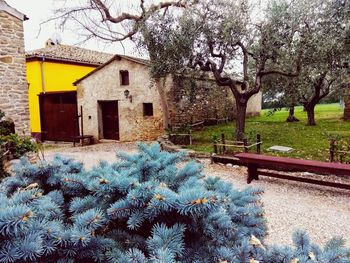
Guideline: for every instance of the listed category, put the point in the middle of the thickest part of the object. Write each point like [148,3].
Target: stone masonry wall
[13,84]
[195,100]
[192,101]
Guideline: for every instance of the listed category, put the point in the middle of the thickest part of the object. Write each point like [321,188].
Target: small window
[147,109]
[124,77]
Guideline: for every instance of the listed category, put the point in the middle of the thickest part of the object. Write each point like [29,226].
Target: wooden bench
[255,161]
[81,139]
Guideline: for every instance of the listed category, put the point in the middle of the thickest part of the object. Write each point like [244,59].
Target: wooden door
[110,120]
[58,114]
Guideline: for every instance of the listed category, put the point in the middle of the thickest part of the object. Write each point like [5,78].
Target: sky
[35,35]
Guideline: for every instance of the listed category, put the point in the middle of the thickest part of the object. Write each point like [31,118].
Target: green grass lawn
[309,142]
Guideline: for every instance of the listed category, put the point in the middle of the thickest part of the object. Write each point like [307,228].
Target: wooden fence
[222,146]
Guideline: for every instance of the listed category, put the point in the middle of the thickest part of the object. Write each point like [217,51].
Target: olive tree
[324,70]
[228,40]
[323,54]
[281,92]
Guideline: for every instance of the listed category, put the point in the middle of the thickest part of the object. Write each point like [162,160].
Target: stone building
[13,84]
[121,102]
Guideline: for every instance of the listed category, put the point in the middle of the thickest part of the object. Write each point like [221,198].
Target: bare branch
[144,13]
[95,9]
[107,15]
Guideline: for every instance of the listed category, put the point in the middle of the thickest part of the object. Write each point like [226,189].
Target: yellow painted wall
[57,77]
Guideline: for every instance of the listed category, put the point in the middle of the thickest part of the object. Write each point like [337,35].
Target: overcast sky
[41,10]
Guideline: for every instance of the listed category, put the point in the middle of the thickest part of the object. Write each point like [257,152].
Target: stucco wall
[58,77]
[254,105]
[104,85]
[13,84]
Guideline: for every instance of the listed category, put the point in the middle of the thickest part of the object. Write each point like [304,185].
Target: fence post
[215,148]
[331,150]
[223,142]
[245,143]
[258,146]
[190,132]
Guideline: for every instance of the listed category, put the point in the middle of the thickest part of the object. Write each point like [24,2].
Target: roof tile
[77,54]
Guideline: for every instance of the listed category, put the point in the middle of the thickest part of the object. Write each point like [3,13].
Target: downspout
[42,75]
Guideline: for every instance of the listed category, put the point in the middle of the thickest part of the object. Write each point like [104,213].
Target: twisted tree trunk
[310,110]
[241,107]
[291,117]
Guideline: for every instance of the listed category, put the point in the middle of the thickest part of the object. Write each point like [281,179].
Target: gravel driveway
[322,211]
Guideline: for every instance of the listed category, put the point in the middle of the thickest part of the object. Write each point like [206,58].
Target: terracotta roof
[70,54]
[137,60]
[65,53]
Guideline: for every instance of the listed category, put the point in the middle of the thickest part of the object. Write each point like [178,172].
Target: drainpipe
[42,75]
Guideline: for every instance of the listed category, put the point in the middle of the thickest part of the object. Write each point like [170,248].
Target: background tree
[280,92]
[323,70]
[220,38]
[323,53]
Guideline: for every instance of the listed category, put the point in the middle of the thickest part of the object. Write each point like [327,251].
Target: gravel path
[322,211]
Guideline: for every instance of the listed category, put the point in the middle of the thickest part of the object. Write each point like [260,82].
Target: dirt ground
[323,212]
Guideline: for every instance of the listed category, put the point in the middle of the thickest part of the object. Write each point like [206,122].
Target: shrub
[145,208]
[7,126]
[19,145]
[12,145]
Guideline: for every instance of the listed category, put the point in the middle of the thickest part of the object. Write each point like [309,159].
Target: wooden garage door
[58,115]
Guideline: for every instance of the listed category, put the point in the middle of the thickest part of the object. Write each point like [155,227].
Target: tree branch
[245,60]
[99,8]
[144,12]
[107,15]
[221,56]
[280,72]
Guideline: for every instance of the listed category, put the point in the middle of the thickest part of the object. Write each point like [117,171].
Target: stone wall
[13,84]
[104,85]
[194,100]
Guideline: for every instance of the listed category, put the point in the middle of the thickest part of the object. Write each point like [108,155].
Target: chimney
[50,43]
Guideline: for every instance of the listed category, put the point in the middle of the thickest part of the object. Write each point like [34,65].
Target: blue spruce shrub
[148,207]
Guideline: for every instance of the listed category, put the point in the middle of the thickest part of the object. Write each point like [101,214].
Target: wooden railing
[221,146]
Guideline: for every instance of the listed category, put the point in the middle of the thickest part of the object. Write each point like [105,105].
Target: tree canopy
[323,52]
[223,39]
